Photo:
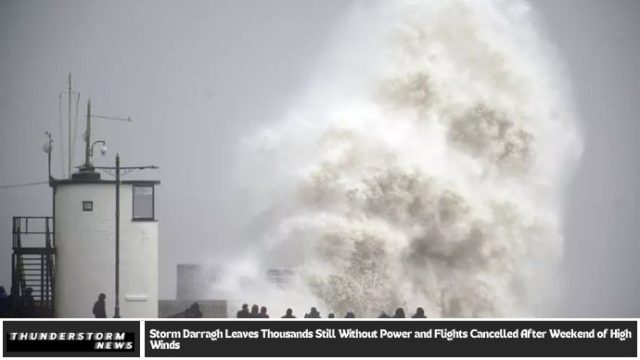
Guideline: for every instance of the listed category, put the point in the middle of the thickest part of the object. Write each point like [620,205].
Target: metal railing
[33,267]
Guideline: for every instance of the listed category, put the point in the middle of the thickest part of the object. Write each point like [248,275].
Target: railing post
[42,281]
[14,276]
[16,231]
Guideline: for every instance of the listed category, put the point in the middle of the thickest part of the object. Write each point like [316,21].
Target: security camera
[46,148]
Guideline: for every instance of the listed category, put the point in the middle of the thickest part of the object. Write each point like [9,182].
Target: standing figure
[4,302]
[99,308]
[254,312]
[289,314]
[263,313]
[313,314]
[244,313]
[419,314]
[399,313]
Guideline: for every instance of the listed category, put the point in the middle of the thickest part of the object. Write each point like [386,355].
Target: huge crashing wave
[424,165]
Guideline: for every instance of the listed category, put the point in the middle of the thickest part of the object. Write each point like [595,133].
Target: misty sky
[198,76]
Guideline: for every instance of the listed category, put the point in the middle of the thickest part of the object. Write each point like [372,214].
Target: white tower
[85,246]
[106,241]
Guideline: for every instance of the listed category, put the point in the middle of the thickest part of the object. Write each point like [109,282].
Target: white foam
[424,166]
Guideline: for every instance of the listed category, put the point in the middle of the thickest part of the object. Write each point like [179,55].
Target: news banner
[319,338]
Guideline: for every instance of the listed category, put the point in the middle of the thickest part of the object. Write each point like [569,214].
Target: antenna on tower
[69,113]
[88,154]
[70,133]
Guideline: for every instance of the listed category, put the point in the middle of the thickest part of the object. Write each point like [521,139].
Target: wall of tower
[85,253]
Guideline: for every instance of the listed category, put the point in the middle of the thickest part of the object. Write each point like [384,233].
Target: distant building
[280,277]
[194,281]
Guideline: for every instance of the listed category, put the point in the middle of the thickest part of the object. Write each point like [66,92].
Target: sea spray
[423,166]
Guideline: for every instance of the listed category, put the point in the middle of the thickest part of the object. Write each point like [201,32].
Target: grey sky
[599,40]
[198,75]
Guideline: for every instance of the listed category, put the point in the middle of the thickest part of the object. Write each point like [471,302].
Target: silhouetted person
[14,307]
[4,302]
[331,316]
[244,313]
[313,314]
[350,315]
[193,311]
[384,315]
[263,313]
[399,313]
[99,308]
[28,303]
[419,313]
[254,312]
[289,314]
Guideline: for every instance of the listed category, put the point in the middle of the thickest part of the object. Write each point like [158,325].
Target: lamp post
[103,149]
[48,148]
[116,313]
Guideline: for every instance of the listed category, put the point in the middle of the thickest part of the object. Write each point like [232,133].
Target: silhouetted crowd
[254,313]
[315,314]
[15,306]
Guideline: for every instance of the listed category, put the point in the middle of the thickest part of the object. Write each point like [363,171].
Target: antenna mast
[87,139]
[70,92]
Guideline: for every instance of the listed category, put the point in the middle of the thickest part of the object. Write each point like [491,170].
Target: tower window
[143,203]
[87,206]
